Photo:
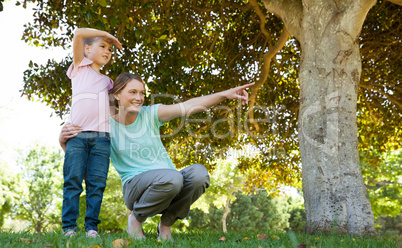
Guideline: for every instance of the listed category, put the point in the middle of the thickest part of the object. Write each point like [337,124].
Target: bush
[253,212]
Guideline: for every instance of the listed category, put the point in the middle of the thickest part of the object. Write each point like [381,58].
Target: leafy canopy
[185,49]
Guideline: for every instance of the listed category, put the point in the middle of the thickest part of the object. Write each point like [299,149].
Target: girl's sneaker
[70,233]
[92,234]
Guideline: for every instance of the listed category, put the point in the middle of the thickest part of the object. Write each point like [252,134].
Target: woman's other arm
[67,132]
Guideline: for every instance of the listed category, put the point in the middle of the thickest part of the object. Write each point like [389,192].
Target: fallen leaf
[27,240]
[223,238]
[262,236]
[120,243]
[301,246]
[96,246]
[246,238]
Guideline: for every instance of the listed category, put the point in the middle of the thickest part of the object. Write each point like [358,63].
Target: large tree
[305,59]
[41,173]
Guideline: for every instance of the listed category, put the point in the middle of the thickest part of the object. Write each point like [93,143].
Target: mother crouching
[151,184]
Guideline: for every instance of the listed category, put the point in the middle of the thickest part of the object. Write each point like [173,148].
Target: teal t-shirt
[137,148]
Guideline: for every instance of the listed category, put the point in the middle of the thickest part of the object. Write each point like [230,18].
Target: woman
[151,184]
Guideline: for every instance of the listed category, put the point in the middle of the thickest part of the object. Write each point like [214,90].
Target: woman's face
[131,97]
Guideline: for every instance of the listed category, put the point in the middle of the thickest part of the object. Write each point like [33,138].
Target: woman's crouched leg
[195,181]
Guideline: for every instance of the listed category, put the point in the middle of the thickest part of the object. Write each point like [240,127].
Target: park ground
[195,239]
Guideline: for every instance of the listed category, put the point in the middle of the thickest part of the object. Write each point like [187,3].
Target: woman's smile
[131,97]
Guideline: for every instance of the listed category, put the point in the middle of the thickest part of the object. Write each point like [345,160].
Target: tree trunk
[328,30]
[225,215]
[334,191]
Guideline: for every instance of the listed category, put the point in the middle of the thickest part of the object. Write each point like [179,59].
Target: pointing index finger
[246,85]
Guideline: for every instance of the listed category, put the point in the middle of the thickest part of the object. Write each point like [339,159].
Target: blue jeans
[87,155]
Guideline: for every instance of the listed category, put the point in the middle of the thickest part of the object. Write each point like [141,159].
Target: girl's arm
[200,104]
[81,34]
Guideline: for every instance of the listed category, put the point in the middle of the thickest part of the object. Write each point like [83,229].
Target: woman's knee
[172,182]
[198,174]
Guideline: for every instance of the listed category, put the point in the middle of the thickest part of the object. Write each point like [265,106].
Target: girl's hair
[121,82]
[90,42]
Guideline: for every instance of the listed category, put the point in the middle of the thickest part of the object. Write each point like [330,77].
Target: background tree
[41,173]
[255,211]
[226,180]
[391,227]
[384,184]
[192,48]
[9,191]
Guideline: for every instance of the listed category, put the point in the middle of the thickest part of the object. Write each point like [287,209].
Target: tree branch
[261,16]
[265,72]
[398,2]
[290,11]
[356,16]
[391,98]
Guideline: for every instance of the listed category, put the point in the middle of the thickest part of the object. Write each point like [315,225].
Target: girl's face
[99,52]
[131,97]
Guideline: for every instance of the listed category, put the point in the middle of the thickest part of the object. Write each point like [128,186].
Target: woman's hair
[90,42]
[121,82]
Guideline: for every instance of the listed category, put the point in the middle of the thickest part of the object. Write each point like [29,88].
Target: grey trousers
[165,191]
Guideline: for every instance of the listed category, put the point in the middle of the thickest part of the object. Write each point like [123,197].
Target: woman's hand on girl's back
[67,132]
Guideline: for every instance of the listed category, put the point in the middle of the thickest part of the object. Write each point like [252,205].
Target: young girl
[87,155]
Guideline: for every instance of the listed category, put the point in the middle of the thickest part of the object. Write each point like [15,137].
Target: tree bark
[334,191]
[225,215]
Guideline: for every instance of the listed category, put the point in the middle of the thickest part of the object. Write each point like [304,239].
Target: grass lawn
[194,239]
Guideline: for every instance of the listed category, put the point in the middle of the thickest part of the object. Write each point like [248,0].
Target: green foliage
[9,191]
[51,84]
[297,219]
[380,95]
[41,173]
[186,49]
[253,212]
[390,227]
[182,50]
[258,212]
[384,183]
[201,220]
[225,180]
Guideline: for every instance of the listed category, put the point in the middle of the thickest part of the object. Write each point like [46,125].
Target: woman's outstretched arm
[200,104]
